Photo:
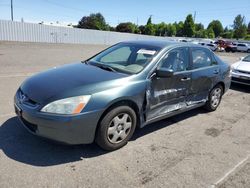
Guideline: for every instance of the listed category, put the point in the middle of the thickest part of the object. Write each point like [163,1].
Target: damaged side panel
[165,95]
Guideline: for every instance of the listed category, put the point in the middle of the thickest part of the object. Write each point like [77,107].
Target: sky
[136,11]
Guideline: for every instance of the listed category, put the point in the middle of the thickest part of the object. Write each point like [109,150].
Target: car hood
[242,65]
[66,81]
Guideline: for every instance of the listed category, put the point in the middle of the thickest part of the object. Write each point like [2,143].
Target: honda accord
[129,85]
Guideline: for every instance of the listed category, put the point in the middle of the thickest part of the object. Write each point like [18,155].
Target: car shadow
[21,146]
[240,87]
[18,144]
[167,122]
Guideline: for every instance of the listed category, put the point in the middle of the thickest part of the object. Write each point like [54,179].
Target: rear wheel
[116,128]
[214,98]
[248,51]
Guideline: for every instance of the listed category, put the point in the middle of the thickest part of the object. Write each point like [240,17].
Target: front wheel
[116,128]
[214,98]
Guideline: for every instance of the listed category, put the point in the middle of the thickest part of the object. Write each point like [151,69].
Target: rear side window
[201,58]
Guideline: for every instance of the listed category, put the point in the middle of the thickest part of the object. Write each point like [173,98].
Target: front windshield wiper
[105,67]
[85,62]
[102,66]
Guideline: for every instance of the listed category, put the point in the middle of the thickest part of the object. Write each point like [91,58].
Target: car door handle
[216,71]
[185,79]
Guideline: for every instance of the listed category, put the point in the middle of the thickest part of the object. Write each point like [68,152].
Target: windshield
[125,57]
[247,58]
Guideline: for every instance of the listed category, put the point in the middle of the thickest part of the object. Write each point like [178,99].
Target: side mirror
[164,72]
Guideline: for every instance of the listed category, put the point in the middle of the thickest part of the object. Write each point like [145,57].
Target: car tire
[116,128]
[214,98]
[248,51]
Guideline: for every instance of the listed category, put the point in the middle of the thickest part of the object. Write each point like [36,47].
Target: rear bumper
[78,129]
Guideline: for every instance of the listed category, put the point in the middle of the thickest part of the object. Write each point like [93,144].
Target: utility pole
[11,8]
[194,16]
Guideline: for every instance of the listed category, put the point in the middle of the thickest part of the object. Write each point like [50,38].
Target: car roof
[162,43]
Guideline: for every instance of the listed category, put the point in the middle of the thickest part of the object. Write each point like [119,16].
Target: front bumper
[77,129]
[241,78]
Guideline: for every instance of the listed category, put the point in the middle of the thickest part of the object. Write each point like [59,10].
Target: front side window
[201,58]
[126,57]
[177,60]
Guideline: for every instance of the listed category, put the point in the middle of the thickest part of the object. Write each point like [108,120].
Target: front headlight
[233,70]
[73,105]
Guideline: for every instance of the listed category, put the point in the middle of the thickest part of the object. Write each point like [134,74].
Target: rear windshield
[126,57]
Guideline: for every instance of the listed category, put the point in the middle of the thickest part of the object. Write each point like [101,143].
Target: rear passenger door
[205,73]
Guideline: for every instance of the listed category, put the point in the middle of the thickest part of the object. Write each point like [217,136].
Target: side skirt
[173,113]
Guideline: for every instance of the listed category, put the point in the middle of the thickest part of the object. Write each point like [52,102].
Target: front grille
[24,99]
[29,126]
[244,72]
[240,80]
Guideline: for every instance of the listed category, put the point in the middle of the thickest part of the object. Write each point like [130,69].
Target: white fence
[29,32]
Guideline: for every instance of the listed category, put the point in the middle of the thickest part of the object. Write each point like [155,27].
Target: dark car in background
[228,46]
[128,85]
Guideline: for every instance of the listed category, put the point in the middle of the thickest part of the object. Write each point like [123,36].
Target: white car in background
[211,46]
[241,71]
[242,47]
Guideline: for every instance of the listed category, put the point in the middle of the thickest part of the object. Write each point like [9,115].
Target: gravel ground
[194,149]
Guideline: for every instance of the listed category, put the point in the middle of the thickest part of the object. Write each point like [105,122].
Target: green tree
[216,27]
[240,28]
[179,28]
[210,33]
[93,21]
[160,29]
[171,30]
[226,29]
[189,28]
[142,29]
[201,34]
[199,27]
[149,20]
[112,28]
[149,28]
[248,28]
[228,34]
[126,27]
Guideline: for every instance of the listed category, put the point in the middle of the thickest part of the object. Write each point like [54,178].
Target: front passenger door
[169,94]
